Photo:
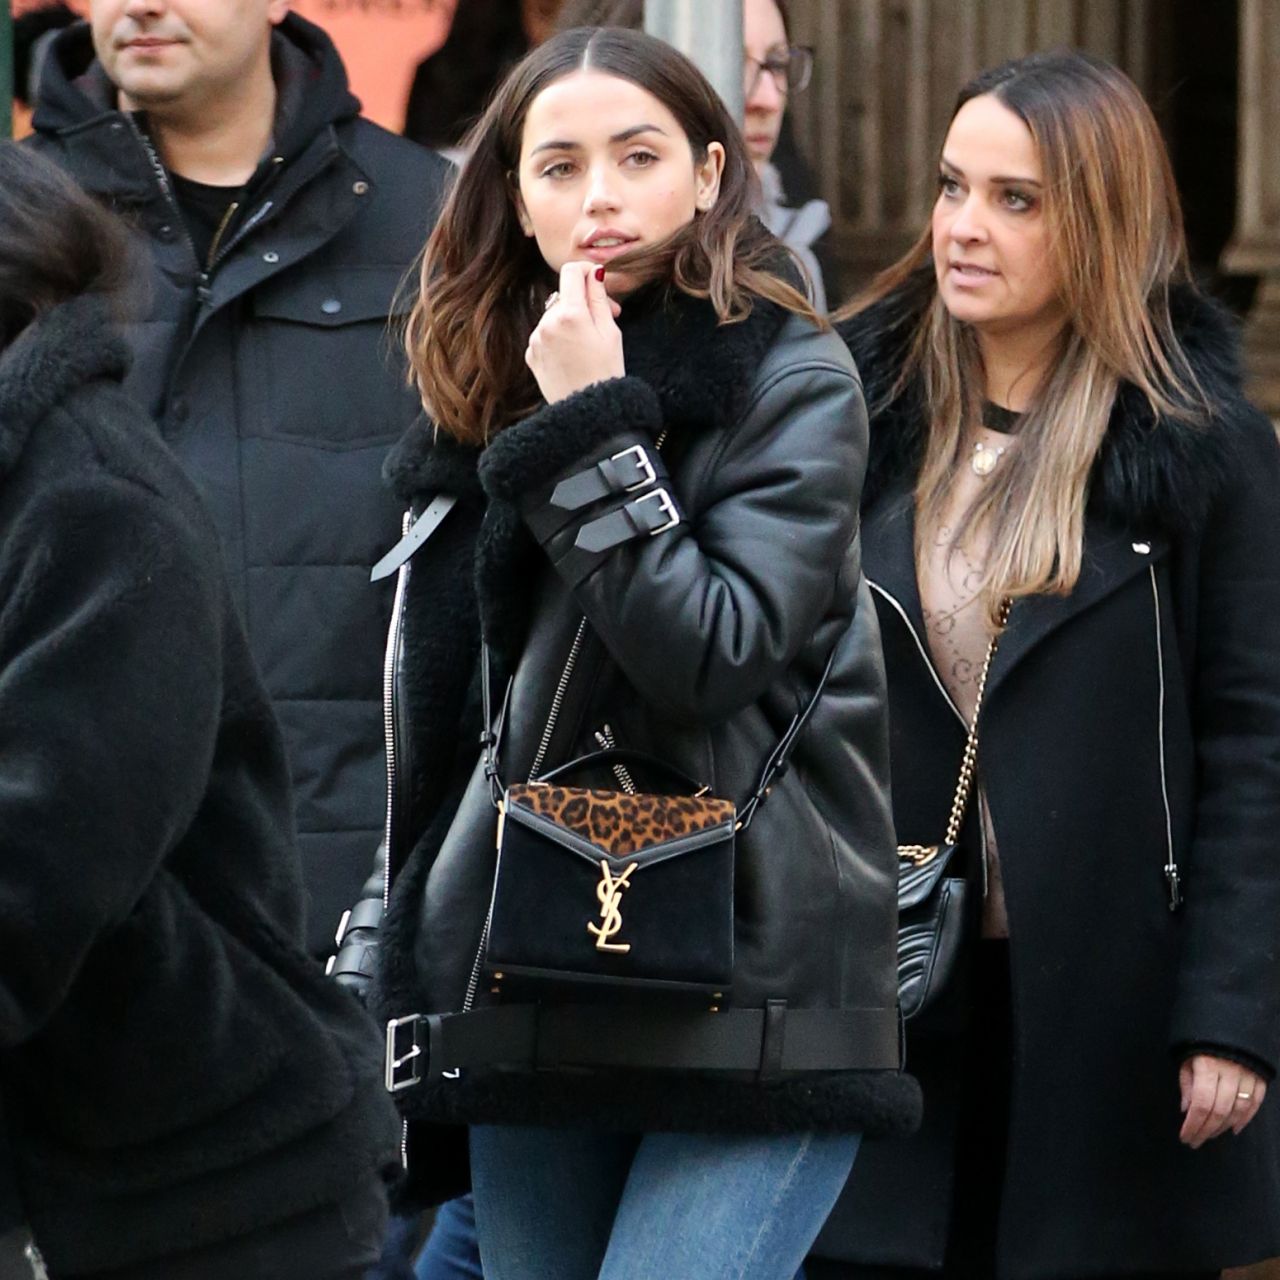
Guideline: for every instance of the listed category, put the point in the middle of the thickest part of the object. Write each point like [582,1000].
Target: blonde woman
[1059,437]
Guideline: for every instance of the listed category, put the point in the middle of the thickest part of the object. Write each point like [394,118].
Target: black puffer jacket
[701,643]
[1130,727]
[275,381]
[174,1070]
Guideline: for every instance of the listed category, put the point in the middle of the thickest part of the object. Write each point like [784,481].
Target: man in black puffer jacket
[273,227]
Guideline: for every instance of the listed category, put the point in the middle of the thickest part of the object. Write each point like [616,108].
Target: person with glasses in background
[773,70]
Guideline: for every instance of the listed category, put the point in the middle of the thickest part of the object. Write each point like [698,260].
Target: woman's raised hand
[576,342]
[1217,1095]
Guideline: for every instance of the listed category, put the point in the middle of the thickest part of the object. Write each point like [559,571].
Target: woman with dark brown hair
[1071,524]
[639,476]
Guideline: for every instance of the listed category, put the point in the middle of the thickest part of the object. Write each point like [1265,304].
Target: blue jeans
[563,1205]
[451,1252]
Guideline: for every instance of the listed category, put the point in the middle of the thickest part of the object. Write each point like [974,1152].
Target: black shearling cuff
[567,436]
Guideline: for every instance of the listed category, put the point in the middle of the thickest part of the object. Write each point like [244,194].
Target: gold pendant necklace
[985,456]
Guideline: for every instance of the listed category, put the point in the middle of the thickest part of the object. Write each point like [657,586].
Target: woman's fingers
[573,289]
[1198,1126]
[1217,1095]
[603,307]
[1247,1108]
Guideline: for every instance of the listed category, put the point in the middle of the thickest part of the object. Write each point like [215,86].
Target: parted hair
[482,283]
[55,242]
[1116,233]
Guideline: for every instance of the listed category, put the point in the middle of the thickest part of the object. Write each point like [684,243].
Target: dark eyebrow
[999,178]
[625,136]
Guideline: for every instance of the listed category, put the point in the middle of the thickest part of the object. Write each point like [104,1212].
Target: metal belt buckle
[396,1059]
[648,474]
[668,508]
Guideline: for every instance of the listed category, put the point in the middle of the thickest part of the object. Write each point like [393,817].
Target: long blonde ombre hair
[1115,228]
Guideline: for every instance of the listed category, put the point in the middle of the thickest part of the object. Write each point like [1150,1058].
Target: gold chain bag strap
[931,903]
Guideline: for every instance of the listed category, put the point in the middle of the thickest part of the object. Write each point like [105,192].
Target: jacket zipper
[604,736]
[557,700]
[473,981]
[389,664]
[217,250]
[924,653]
[166,190]
[1171,876]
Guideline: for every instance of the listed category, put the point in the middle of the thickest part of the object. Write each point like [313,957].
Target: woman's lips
[966,273]
[606,252]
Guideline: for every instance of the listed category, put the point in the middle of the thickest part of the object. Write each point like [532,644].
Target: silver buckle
[663,499]
[642,461]
[395,1060]
[342,928]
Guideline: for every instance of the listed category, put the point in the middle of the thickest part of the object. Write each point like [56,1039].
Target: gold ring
[552,298]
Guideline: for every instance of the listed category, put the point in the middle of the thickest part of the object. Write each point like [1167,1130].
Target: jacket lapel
[1112,558]
[888,552]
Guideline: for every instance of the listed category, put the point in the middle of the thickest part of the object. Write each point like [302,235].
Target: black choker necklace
[995,417]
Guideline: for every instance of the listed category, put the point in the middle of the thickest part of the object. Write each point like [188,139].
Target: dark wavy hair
[56,243]
[483,283]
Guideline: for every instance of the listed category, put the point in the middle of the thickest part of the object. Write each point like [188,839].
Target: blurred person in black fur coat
[186,1096]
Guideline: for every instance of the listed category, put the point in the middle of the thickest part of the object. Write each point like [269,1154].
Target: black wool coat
[702,643]
[275,380]
[174,1069]
[1129,726]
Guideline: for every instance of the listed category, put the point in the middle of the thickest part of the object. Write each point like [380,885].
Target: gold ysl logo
[610,891]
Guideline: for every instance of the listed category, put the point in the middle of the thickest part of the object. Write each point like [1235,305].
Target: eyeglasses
[791,69]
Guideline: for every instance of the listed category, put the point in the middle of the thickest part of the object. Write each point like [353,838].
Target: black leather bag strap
[779,761]
[775,765]
[622,755]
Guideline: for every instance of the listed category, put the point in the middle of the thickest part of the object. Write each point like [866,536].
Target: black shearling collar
[701,371]
[1155,474]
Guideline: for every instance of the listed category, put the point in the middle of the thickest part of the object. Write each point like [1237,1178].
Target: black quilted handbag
[932,917]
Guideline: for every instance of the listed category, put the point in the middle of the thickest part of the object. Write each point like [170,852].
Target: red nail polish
[600,273]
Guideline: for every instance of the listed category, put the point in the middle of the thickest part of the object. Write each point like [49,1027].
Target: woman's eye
[947,185]
[561,169]
[641,159]
[1018,201]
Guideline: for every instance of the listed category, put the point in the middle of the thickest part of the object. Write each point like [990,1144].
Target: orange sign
[382,42]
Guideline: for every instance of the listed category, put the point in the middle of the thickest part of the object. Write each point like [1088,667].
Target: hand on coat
[1211,1101]
[576,342]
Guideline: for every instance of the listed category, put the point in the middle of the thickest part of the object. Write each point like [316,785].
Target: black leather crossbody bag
[931,903]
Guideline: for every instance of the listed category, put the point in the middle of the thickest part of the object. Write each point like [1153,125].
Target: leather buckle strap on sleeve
[653,513]
[624,472]
[768,1043]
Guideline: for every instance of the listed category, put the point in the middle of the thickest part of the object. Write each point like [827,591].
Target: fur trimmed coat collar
[1152,473]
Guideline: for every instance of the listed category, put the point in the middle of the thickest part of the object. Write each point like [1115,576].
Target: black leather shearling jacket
[701,642]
